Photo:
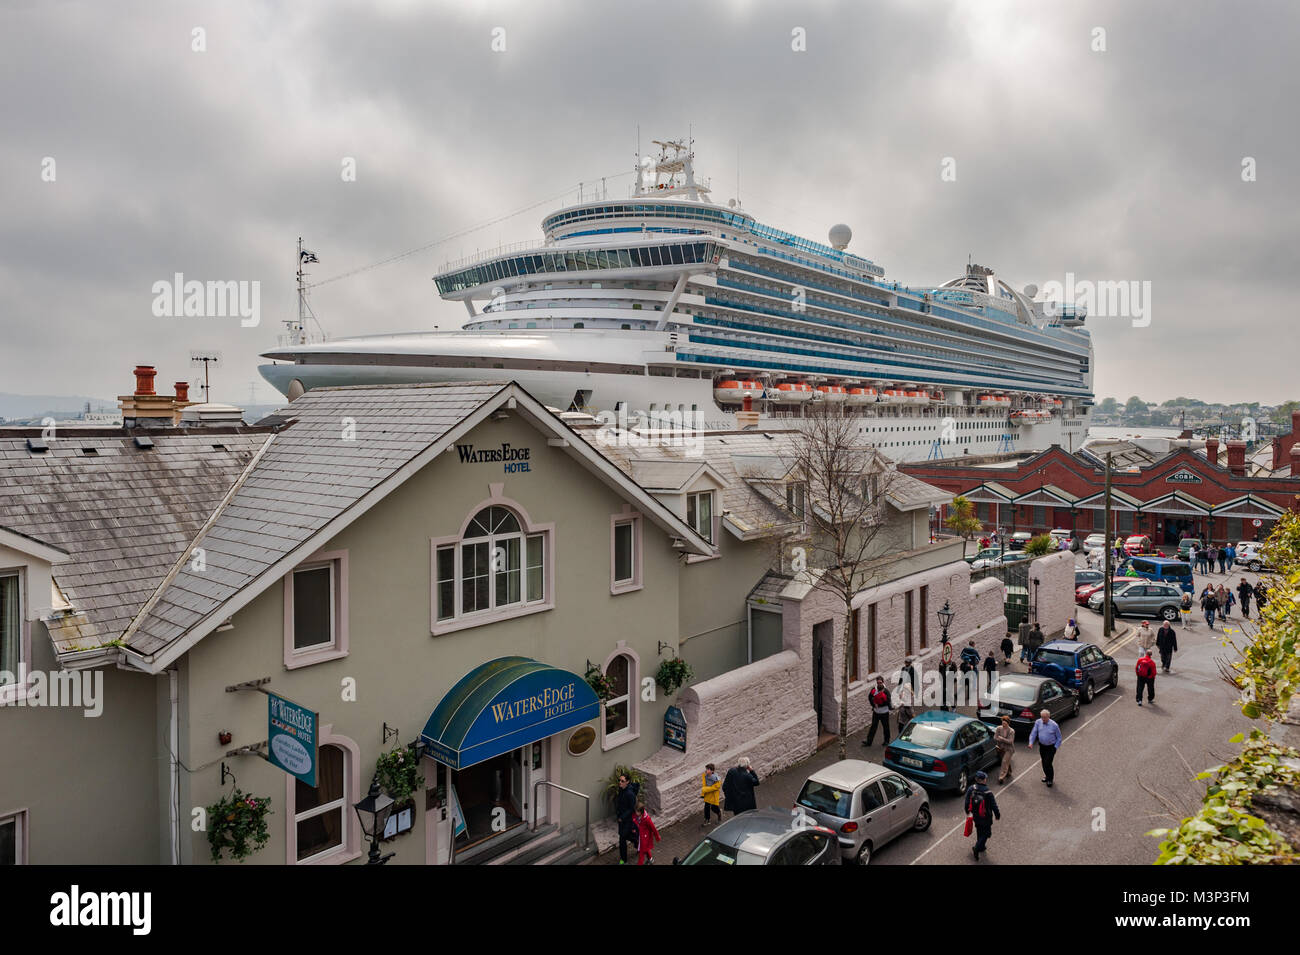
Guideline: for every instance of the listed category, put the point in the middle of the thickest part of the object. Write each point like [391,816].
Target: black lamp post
[945,665]
[373,812]
[945,619]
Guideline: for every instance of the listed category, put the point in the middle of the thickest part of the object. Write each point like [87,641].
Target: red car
[1081,594]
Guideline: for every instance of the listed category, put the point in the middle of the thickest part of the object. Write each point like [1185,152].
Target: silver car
[1145,598]
[866,804]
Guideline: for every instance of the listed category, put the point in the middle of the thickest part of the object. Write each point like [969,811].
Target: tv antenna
[207,359]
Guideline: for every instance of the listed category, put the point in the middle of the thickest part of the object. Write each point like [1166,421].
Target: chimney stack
[1237,458]
[1212,450]
[145,408]
[1295,425]
[144,375]
[182,391]
[1295,459]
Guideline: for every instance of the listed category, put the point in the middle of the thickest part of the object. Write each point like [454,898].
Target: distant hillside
[36,406]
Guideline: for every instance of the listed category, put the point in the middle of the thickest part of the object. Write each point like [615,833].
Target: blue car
[942,750]
[1080,666]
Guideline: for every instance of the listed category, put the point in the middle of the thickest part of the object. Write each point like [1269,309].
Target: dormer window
[794,499]
[699,514]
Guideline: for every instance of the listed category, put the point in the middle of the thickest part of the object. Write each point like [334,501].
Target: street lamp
[945,658]
[373,813]
[945,619]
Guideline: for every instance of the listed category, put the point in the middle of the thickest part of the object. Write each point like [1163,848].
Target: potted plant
[673,674]
[611,781]
[238,823]
[600,684]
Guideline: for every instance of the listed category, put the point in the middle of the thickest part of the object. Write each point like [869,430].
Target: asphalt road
[1099,809]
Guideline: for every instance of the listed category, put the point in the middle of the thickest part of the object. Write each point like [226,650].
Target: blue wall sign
[292,737]
[675,728]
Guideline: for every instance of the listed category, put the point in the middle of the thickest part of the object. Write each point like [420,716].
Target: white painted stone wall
[1056,605]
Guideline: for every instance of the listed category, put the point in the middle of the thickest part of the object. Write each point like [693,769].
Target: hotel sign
[513,459]
[292,737]
[1183,476]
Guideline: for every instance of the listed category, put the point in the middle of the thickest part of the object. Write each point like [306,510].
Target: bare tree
[838,488]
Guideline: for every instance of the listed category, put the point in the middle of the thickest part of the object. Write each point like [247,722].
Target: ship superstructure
[666,305]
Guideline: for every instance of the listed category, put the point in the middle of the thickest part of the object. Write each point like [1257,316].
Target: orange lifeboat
[731,391]
[862,396]
[988,401]
[792,392]
[833,393]
[893,396]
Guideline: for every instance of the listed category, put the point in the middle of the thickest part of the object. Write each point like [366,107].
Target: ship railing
[484,256]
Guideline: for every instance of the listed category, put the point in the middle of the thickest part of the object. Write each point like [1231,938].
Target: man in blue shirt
[1048,737]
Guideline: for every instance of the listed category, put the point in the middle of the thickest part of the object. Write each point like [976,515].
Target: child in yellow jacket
[710,787]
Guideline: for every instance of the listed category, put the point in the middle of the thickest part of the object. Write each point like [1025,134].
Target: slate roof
[308,475]
[122,513]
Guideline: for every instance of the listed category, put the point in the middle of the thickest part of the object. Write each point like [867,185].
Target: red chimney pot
[144,375]
[182,391]
[1212,450]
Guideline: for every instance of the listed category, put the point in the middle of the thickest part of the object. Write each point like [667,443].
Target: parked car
[1019,539]
[1138,544]
[865,804]
[1251,556]
[765,837]
[1082,577]
[1143,598]
[1060,534]
[1010,557]
[1094,541]
[1077,666]
[1082,593]
[1023,696]
[1186,544]
[984,553]
[942,750]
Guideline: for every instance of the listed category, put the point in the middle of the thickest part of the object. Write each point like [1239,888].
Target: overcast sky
[1122,165]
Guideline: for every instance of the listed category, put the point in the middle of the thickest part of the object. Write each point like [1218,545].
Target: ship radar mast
[672,174]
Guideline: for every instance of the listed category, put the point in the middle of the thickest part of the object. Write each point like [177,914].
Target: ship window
[654,257]
[579,324]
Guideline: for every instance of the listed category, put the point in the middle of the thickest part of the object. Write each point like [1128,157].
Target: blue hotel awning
[503,705]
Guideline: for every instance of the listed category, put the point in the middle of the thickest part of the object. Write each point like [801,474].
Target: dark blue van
[1166,570]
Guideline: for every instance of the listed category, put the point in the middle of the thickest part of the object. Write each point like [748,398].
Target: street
[1121,771]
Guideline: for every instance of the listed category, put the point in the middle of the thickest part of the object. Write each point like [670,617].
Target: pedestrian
[1033,640]
[908,673]
[1004,738]
[1244,593]
[1071,630]
[1186,608]
[970,655]
[738,788]
[1209,606]
[1261,597]
[1221,599]
[1211,554]
[990,664]
[1229,601]
[1007,648]
[710,792]
[647,835]
[880,700]
[1167,644]
[904,697]
[625,811]
[982,808]
[1192,557]
[1224,563]
[1146,677]
[1146,638]
[1048,737]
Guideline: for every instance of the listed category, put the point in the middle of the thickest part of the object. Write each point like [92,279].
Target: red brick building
[1286,448]
[1180,491]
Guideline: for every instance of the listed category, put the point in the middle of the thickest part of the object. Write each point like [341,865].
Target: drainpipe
[173,803]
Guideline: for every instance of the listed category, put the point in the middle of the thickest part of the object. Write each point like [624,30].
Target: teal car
[942,750]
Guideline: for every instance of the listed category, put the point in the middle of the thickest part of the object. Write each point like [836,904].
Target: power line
[453,235]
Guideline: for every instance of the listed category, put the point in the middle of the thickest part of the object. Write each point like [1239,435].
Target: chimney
[1295,425]
[182,391]
[1237,458]
[747,417]
[144,408]
[1295,459]
[1212,450]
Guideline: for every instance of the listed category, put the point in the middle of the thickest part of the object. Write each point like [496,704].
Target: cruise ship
[667,309]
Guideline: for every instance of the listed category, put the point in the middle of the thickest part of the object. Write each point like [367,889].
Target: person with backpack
[1146,677]
[1244,593]
[1186,609]
[1167,644]
[625,809]
[1209,606]
[1007,649]
[1261,597]
[880,700]
[1221,599]
[981,810]
[1229,600]
[710,792]
[647,835]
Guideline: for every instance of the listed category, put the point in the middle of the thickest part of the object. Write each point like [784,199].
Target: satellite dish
[840,235]
[1031,290]
[731,203]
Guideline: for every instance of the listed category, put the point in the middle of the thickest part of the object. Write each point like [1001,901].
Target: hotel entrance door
[491,798]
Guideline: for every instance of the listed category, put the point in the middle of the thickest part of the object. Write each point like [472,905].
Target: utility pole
[1110,553]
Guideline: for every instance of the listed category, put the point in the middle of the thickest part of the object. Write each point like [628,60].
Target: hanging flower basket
[601,685]
[237,824]
[399,773]
[674,674]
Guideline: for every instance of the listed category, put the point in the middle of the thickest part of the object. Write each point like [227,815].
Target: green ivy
[399,773]
[673,674]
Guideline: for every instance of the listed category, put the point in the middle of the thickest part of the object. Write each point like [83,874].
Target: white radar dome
[1031,291]
[840,236]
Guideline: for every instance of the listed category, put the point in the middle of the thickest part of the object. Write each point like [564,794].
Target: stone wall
[1055,576]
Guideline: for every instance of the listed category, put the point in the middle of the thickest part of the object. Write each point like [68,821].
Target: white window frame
[21,821]
[636,581]
[461,620]
[337,562]
[350,848]
[632,731]
[20,689]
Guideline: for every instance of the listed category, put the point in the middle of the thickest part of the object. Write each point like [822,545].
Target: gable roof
[121,513]
[312,481]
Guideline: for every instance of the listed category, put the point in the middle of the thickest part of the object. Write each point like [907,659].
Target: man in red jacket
[1146,676]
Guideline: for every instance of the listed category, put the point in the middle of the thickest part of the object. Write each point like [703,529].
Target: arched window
[621,723]
[498,564]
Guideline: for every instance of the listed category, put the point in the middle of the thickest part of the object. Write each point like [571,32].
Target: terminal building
[453,568]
